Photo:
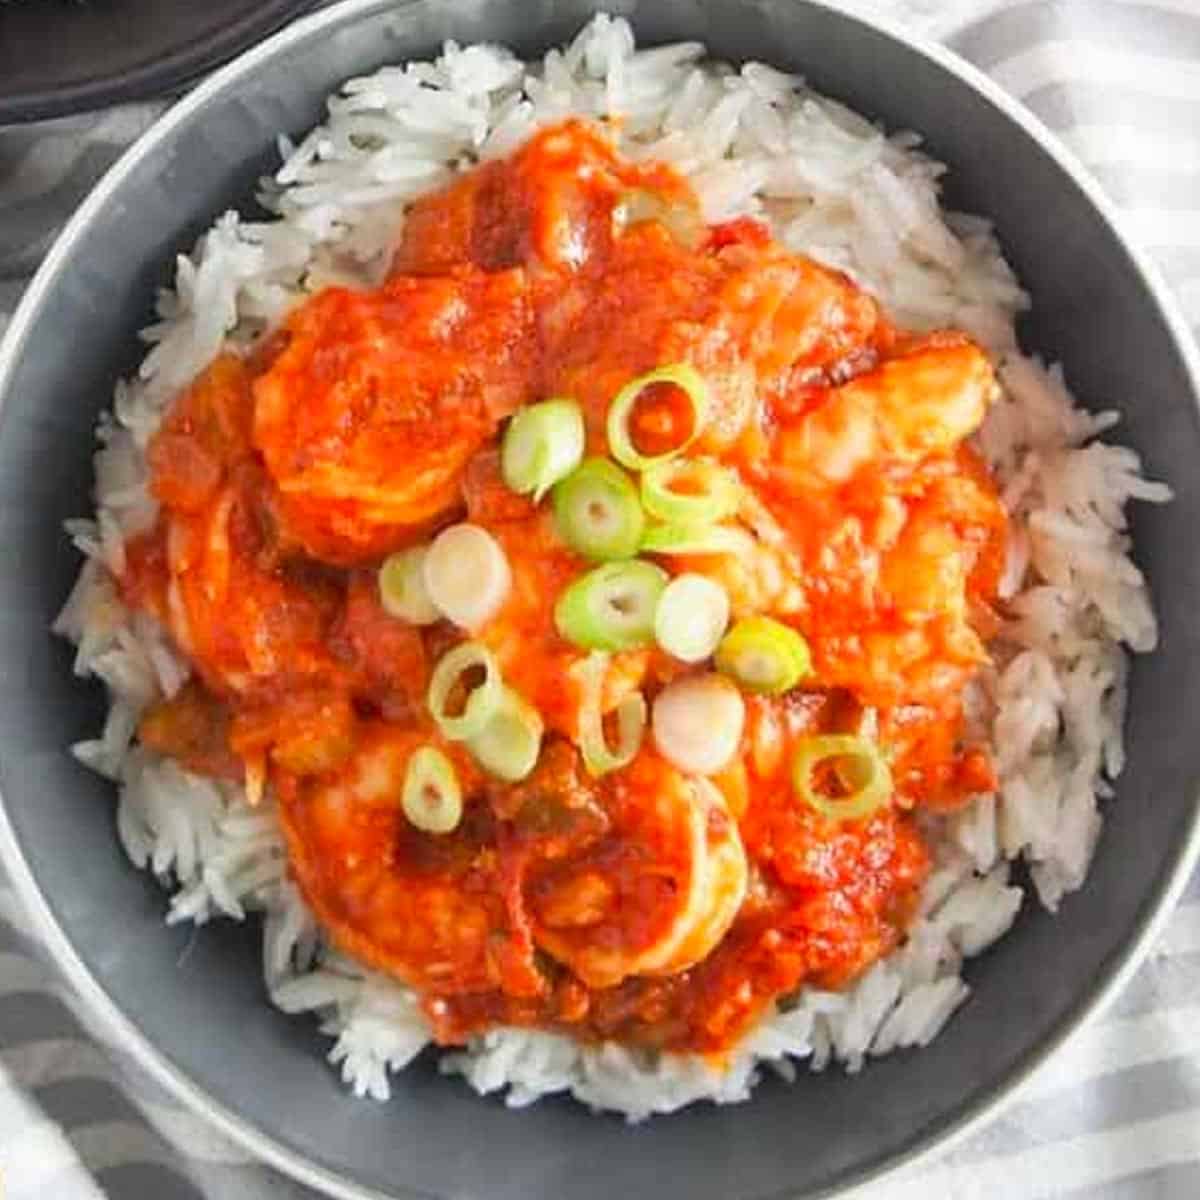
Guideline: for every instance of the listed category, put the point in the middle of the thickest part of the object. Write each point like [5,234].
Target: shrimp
[925,594]
[432,910]
[920,403]
[366,434]
[655,894]
[554,206]
[723,887]
[206,432]
[647,885]
[787,312]
[746,318]
[209,565]
[244,623]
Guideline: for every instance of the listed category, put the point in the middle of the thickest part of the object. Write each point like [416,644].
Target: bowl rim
[176,68]
[123,1030]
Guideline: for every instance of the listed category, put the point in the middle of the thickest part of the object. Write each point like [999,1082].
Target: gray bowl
[199,1020]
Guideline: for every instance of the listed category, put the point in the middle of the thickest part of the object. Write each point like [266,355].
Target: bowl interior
[198,998]
[61,56]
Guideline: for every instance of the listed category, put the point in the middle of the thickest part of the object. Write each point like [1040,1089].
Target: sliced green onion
[690,491]
[612,607]
[402,589]
[481,702]
[509,744]
[673,538]
[620,438]
[467,575]
[859,763]
[691,617]
[630,717]
[698,722]
[764,655]
[542,444]
[597,511]
[432,795]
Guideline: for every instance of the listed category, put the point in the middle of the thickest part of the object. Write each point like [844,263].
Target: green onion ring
[612,607]
[597,511]
[763,655]
[871,777]
[630,717]
[692,614]
[672,538]
[402,590]
[542,444]
[481,702]
[620,440]
[432,796]
[509,743]
[718,497]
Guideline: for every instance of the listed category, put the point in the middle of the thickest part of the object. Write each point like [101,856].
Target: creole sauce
[371,419]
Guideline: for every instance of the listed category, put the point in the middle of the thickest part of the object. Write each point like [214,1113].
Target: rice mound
[752,140]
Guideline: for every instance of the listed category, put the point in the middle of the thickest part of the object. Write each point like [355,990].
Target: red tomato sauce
[372,418]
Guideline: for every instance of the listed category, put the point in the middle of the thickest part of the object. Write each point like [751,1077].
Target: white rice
[752,140]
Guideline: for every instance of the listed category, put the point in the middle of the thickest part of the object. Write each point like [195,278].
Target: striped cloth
[1117,1115]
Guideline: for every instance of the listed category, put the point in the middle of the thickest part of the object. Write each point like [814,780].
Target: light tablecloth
[1117,1115]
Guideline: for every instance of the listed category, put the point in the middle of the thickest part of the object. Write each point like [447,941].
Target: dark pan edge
[1124,961]
[160,77]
